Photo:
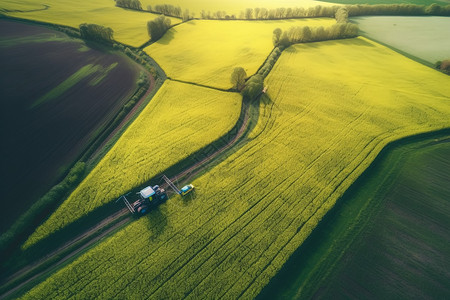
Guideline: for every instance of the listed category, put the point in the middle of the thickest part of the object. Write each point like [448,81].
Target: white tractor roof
[147,192]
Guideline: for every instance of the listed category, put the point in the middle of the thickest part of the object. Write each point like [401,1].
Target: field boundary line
[202,85]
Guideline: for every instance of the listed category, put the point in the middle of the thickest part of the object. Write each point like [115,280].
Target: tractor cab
[152,196]
[149,197]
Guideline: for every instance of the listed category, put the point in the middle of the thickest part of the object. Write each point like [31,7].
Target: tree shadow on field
[350,42]
[157,222]
[293,49]
[266,100]
[97,46]
[167,37]
[358,42]
[187,199]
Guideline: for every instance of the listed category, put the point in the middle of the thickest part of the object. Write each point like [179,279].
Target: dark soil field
[56,94]
[389,238]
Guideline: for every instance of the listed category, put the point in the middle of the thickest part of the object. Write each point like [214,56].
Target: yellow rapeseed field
[130,27]
[177,122]
[333,106]
[207,51]
[233,6]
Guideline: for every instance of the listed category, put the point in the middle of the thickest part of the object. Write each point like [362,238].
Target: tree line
[306,34]
[398,10]
[171,11]
[96,32]
[157,28]
[261,13]
[353,10]
[253,87]
[131,4]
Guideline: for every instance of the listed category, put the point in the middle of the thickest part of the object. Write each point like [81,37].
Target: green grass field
[206,52]
[172,126]
[416,36]
[130,27]
[333,107]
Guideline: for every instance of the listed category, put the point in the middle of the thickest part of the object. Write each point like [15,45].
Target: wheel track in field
[45,7]
[70,249]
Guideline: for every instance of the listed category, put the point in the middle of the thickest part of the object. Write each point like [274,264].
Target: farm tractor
[151,197]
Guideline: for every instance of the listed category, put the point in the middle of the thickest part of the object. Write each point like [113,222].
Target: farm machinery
[150,197]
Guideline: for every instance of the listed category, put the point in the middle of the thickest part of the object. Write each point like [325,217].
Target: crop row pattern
[333,108]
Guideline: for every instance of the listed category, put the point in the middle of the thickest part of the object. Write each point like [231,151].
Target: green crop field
[130,27]
[403,253]
[416,36]
[331,108]
[171,127]
[232,6]
[206,52]
[388,203]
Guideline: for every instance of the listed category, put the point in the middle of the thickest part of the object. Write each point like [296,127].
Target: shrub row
[261,13]
[141,58]
[157,28]
[270,62]
[96,33]
[171,11]
[131,4]
[398,10]
[353,10]
[305,34]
